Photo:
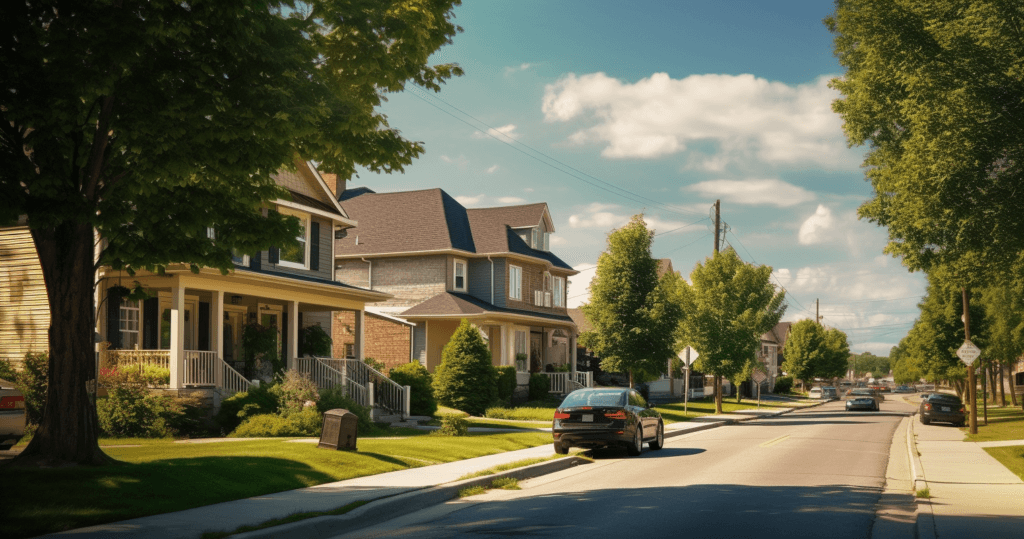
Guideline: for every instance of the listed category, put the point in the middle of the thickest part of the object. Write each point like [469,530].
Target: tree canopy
[728,306]
[815,352]
[936,89]
[634,314]
[149,121]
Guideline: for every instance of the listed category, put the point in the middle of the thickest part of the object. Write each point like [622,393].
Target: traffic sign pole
[971,382]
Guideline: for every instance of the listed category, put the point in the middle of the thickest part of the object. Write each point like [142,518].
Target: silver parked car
[12,415]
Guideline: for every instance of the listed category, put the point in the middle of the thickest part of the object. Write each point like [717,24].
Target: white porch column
[360,333]
[293,334]
[177,362]
[218,336]
[572,355]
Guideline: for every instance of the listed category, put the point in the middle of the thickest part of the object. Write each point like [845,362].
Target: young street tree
[634,314]
[813,352]
[148,121]
[728,306]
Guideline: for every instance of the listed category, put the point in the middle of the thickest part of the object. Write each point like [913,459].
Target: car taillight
[621,414]
[12,403]
[561,415]
[963,410]
[927,406]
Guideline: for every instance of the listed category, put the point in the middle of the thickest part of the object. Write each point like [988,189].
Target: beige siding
[24,310]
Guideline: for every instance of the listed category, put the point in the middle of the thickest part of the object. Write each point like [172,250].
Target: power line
[804,309]
[624,193]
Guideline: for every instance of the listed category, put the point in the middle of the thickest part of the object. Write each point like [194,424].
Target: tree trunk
[984,391]
[1013,388]
[630,378]
[718,394]
[1002,382]
[69,429]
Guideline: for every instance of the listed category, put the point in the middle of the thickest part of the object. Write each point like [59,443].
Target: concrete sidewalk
[972,494]
[229,516]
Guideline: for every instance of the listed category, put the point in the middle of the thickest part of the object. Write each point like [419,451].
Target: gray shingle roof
[455,304]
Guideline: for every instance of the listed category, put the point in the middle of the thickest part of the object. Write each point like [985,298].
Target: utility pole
[718,221]
[817,317]
[971,381]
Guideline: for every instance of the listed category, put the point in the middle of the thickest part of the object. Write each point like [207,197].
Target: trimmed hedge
[235,409]
[416,376]
[506,382]
[466,380]
[784,384]
[540,386]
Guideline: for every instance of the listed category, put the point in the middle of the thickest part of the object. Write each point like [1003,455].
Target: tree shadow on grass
[52,500]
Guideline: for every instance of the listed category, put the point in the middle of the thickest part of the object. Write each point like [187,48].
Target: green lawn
[161,476]
[697,408]
[1012,457]
[1003,424]
[524,413]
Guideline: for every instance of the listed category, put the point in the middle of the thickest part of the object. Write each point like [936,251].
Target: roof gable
[308,188]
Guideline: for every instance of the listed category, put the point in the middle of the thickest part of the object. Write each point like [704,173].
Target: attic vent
[357,240]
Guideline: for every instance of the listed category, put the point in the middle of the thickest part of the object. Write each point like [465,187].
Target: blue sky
[606,109]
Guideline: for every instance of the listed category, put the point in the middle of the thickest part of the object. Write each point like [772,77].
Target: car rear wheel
[925,421]
[561,448]
[637,446]
[659,440]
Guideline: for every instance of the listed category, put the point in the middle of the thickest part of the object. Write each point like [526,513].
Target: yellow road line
[775,441]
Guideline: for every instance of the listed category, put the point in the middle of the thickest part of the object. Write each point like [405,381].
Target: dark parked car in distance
[12,415]
[943,408]
[606,417]
[862,398]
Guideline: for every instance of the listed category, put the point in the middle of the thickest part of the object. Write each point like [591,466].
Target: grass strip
[510,466]
[1004,423]
[503,483]
[286,520]
[1010,456]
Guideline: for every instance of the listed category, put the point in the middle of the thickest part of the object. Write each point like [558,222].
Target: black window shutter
[150,324]
[274,256]
[254,260]
[314,246]
[203,332]
[114,318]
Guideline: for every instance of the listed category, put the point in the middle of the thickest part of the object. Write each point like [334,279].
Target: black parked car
[943,408]
[603,417]
[862,398]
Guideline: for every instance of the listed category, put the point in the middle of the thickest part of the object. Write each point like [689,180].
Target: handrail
[233,381]
[200,368]
[386,392]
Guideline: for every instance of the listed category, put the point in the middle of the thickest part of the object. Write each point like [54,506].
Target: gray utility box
[340,430]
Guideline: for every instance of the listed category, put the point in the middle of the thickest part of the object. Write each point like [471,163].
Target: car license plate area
[945,409]
[587,418]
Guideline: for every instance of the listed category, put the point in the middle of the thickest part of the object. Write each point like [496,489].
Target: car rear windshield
[864,392]
[945,398]
[595,398]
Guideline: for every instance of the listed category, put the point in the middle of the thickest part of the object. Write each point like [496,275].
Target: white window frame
[534,241]
[455,274]
[240,260]
[307,220]
[558,291]
[130,325]
[547,242]
[515,282]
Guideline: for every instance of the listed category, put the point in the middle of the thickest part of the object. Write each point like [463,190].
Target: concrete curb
[925,522]
[387,508]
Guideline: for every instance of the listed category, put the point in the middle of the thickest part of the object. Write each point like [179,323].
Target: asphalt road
[816,473]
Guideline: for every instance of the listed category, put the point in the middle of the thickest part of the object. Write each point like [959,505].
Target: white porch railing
[232,381]
[323,375]
[386,393]
[200,368]
[119,358]
[564,382]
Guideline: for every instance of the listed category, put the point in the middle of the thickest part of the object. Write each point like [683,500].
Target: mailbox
[340,430]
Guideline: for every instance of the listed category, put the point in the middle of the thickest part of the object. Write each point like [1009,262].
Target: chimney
[336,184]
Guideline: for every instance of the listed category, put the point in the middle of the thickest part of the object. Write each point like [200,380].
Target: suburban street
[778,477]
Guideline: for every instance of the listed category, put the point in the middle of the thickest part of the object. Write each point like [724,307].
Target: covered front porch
[193,324]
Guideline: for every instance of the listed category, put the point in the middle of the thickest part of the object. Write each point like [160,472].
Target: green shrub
[33,383]
[259,344]
[417,377]
[156,375]
[256,401]
[784,384]
[293,390]
[452,425]
[506,383]
[375,365]
[521,413]
[540,386]
[305,423]
[129,411]
[334,398]
[466,380]
[7,371]
[183,416]
[314,341]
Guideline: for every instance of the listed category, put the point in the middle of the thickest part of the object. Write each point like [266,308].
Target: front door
[536,352]
[234,321]
[270,316]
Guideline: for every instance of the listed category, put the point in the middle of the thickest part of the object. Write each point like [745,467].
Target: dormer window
[547,241]
[459,277]
[533,239]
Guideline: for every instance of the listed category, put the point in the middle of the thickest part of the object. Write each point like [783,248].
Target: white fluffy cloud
[469,201]
[578,291]
[492,169]
[605,216]
[509,70]
[511,200]
[745,115]
[769,192]
[819,227]
[504,132]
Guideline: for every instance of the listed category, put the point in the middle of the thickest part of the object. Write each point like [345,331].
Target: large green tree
[728,306]
[634,313]
[936,90]
[815,352]
[148,121]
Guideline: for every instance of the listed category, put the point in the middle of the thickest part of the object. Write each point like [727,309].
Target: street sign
[759,376]
[688,359]
[968,353]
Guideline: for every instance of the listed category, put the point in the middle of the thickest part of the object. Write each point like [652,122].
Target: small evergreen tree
[466,380]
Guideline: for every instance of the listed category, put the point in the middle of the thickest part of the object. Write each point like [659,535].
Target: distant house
[441,262]
[193,323]
[771,352]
